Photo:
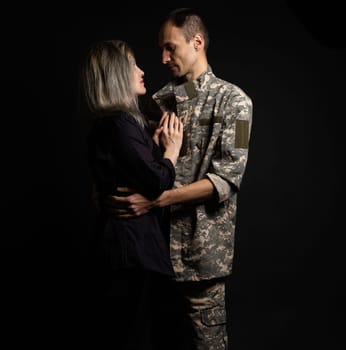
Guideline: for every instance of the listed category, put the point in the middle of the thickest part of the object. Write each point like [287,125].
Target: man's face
[179,55]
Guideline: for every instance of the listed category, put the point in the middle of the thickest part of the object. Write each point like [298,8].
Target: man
[217,119]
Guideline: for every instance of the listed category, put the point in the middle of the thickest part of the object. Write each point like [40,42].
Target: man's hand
[130,206]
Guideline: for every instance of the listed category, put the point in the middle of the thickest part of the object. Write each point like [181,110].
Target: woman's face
[138,81]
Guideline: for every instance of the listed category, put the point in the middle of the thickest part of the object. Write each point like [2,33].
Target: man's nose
[165,57]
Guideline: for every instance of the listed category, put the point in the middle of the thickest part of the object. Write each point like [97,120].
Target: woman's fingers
[163,118]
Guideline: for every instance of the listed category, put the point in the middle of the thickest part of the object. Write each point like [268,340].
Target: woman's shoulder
[114,119]
[119,124]
[123,118]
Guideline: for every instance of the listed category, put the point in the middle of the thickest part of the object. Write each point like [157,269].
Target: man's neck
[200,67]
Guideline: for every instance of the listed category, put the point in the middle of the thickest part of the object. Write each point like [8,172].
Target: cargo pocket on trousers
[214,316]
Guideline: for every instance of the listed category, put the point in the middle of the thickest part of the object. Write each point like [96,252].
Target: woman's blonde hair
[107,75]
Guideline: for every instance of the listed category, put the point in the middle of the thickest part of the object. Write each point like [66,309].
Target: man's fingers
[126,213]
[116,202]
[125,189]
[118,211]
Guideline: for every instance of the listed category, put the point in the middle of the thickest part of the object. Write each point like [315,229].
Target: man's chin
[174,71]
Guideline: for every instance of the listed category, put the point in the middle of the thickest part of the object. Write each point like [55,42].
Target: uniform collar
[187,90]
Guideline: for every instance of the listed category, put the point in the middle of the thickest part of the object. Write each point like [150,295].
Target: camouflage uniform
[217,118]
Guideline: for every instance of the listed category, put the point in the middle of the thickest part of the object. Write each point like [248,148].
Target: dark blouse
[122,154]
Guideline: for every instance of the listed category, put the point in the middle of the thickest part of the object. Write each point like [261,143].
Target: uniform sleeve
[229,162]
[133,146]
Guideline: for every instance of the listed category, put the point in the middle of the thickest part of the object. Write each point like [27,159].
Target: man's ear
[198,41]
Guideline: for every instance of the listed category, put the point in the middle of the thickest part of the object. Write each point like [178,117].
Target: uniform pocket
[214,316]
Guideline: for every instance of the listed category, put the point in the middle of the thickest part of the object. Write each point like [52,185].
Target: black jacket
[122,154]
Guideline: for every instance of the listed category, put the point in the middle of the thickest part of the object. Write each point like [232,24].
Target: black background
[287,287]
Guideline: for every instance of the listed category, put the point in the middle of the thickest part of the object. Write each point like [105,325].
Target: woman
[123,154]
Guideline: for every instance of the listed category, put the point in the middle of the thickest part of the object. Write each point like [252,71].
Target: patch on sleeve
[242,134]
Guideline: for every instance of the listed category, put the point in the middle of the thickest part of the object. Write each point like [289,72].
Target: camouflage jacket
[217,118]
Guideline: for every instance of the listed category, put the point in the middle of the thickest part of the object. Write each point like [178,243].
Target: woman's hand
[171,136]
[159,128]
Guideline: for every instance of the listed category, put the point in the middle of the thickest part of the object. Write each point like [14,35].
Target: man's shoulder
[228,87]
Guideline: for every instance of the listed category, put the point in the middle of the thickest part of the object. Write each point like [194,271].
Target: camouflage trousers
[206,308]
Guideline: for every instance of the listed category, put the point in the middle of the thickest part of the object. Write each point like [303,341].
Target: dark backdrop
[289,264]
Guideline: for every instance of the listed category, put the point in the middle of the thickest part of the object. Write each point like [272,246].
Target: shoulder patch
[241,134]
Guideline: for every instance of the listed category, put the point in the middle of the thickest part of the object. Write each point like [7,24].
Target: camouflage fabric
[207,312]
[217,119]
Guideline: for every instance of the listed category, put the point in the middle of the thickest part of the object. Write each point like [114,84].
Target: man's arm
[136,204]
[196,192]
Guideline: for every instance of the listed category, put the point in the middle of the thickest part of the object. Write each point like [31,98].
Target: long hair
[107,74]
[190,21]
